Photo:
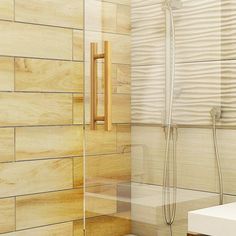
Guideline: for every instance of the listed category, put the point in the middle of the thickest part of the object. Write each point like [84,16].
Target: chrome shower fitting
[173,4]
[216,112]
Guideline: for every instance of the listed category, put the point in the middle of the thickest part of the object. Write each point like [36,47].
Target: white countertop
[214,221]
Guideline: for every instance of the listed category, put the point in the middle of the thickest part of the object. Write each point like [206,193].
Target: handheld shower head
[216,112]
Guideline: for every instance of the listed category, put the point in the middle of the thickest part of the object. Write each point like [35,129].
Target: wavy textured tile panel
[148,35]
[148,91]
[198,31]
[205,35]
[197,90]
[199,87]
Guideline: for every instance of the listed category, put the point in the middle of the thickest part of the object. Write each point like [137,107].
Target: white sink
[214,221]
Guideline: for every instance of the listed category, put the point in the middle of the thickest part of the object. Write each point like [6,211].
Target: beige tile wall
[41,74]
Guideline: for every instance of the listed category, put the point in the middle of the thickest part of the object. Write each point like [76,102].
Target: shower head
[174,4]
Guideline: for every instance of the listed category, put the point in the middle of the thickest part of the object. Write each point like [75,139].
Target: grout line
[41,226]
[65,28]
[41,92]
[14,74]
[73,172]
[42,193]
[15,212]
[42,58]
[14,144]
[72,47]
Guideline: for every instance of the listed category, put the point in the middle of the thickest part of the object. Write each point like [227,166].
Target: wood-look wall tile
[100,141]
[123,138]
[6,145]
[121,48]
[48,208]
[120,74]
[123,19]
[101,200]
[7,215]
[78,45]
[108,169]
[35,109]
[78,109]
[121,108]
[48,142]
[37,41]
[109,12]
[55,230]
[6,74]
[48,75]
[93,15]
[123,80]
[78,172]
[106,225]
[65,13]
[78,228]
[19,178]
[7,9]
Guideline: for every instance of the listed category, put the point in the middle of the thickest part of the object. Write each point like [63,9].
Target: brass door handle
[107,86]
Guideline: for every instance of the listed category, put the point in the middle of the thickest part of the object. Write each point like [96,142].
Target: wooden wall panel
[48,75]
[78,109]
[41,82]
[35,109]
[36,41]
[100,141]
[7,145]
[65,13]
[7,215]
[123,19]
[121,46]
[108,169]
[48,142]
[55,230]
[78,45]
[6,73]
[43,209]
[21,178]
[78,228]
[123,138]
[104,225]
[78,172]
[7,9]
[121,108]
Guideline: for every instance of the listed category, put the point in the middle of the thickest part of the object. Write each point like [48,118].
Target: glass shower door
[107,131]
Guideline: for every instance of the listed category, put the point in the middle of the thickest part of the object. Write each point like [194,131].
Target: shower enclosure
[172,105]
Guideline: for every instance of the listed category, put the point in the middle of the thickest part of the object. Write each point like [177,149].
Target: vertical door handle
[107,118]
